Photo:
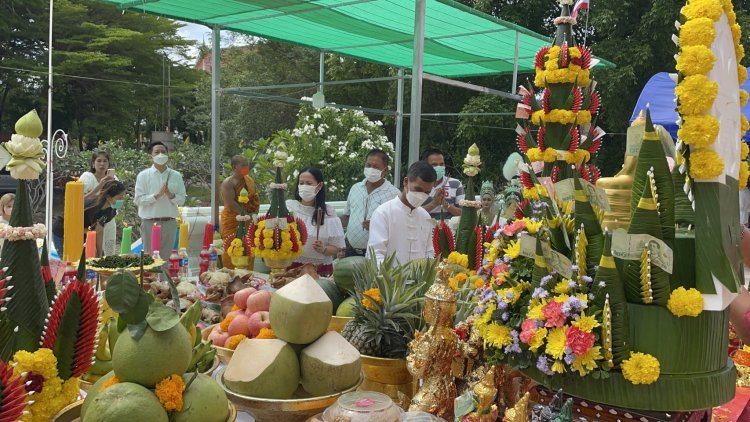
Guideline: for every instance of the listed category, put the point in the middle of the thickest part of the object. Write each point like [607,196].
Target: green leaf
[173,291]
[161,318]
[137,330]
[123,292]
[138,312]
[67,336]
[121,325]
[191,316]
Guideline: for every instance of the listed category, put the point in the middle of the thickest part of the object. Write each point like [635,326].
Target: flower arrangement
[25,148]
[169,392]
[235,244]
[8,232]
[442,240]
[685,302]
[470,234]
[12,402]
[50,392]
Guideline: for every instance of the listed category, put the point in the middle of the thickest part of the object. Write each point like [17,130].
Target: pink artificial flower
[512,229]
[578,340]
[553,314]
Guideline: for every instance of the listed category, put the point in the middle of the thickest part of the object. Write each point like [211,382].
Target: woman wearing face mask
[100,172]
[99,209]
[325,235]
[6,205]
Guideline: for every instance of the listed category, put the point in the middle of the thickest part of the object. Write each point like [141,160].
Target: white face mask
[161,159]
[416,199]
[373,175]
[307,192]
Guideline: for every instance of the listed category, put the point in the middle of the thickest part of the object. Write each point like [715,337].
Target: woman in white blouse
[100,171]
[325,234]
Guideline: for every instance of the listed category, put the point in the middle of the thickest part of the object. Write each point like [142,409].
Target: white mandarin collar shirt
[148,183]
[396,228]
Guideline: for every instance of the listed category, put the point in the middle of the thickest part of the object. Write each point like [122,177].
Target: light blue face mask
[440,170]
[118,204]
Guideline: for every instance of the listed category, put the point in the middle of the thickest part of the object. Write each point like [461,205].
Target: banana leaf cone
[29,306]
[586,217]
[465,235]
[564,32]
[278,202]
[646,221]
[652,157]
[81,271]
[613,293]
[46,269]
[683,210]
[557,233]
[540,264]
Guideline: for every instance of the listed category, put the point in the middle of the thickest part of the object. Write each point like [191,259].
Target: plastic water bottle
[204,260]
[69,276]
[174,264]
[184,264]
[213,258]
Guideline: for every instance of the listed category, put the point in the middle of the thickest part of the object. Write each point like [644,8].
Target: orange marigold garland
[169,392]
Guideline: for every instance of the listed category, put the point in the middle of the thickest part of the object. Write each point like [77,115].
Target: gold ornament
[519,412]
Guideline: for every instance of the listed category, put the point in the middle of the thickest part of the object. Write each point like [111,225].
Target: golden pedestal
[390,377]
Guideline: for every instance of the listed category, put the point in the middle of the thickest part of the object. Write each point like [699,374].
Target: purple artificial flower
[587,279]
[569,356]
[573,304]
[542,364]
[543,282]
[572,284]
[540,293]
[501,304]
[510,295]
[504,316]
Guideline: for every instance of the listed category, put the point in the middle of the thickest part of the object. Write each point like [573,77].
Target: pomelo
[266,368]
[300,311]
[155,356]
[204,401]
[125,402]
[343,272]
[347,307]
[94,390]
[329,365]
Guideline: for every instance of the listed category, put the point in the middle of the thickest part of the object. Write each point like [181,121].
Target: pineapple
[383,326]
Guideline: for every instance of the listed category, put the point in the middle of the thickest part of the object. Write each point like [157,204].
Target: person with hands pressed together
[325,235]
[364,198]
[230,191]
[446,192]
[401,226]
[159,190]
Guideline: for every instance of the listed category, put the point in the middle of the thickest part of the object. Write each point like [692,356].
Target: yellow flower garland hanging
[553,74]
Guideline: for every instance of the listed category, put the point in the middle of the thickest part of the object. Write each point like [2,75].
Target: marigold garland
[696,94]
[685,302]
[744,174]
[641,368]
[234,341]
[370,297]
[53,393]
[699,131]
[550,155]
[705,164]
[169,392]
[743,98]
[744,150]
[702,8]
[110,382]
[698,31]
[695,60]
[266,333]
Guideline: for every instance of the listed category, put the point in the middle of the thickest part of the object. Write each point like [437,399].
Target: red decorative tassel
[594,173]
[564,55]
[595,146]
[293,238]
[525,180]
[442,229]
[540,137]
[521,206]
[595,102]
[539,60]
[521,141]
[575,138]
[302,231]
[545,100]
[277,238]
[577,100]
[585,57]
[436,241]
[555,174]
[478,230]
[12,395]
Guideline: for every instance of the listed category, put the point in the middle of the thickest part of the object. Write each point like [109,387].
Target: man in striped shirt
[447,192]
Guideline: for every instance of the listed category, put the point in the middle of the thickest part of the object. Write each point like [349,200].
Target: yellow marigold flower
[537,117]
[486,317]
[743,98]
[549,155]
[267,233]
[562,287]
[224,326]
[586,323]
[478,283]
[497,335]
[537,340]
[641,368]
[702,8]
[539,78]
[699,131]
[584,117]
[556,342]
[453,284]
[741,74]
[234,341]
[535,154]
[110,382]
[574,52]
[268,243]
[698,31]
[169,392]
[583,78]
[42,362]
[744,174]
[535,312]
[370,295]
[234,308]
[587,361]
[530,193]
[696,94]
[558,367]
[561,116]
[744,124]
[736,32]
[739,52]
[459,259]
[685,302]
[266,333]
[705,164]
[513,250]
[532,226]
[695,60]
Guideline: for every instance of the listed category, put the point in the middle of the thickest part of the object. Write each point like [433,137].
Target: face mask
[440,170]
[307,192]
[416,199]
[118,204]
[244,171]
[372,174]
[161,159]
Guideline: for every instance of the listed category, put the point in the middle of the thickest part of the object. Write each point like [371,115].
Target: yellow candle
[184,235]
[73,221]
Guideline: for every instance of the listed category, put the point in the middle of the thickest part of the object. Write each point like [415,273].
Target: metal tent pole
[215,120]
[399,127]
[322,70]
[49,186]
[416,80]
[515,65]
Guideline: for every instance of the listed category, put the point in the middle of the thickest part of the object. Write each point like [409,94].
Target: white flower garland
[37,231]
[470,204]
[247,217]
[278,186]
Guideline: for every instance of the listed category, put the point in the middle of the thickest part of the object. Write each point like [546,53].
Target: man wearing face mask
[401,226]
[159,190]
[446,192]
[364,198]
[230,191]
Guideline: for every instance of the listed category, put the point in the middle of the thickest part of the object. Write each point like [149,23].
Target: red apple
[218,338]
[239,325]
[258,301]
[240,298]
[259,320]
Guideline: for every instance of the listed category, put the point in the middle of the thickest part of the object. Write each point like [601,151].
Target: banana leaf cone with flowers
[48,344]
[239,244]
[471,234]
[278,237]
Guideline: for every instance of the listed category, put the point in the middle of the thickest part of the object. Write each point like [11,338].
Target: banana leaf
[586,217]
[613,292]
[278,203]
[467,223]
[683,210]
[540,265]
[49,282]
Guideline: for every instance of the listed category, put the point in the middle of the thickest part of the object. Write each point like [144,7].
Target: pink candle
[90,244]
[155,238]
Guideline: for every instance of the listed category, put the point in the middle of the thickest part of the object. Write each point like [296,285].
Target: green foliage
[336,141]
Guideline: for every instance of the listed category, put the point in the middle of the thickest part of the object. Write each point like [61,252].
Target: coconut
[265,368]
[94,390]
[155,356]
[204,401]
[329,365]
[300,311]
[125,402]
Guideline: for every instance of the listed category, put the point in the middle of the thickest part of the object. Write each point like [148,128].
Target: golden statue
[431,354]
[519,412]
[485,392]
[619,187]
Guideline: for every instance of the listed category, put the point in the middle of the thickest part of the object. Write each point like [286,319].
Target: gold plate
[72,412]
[337,323]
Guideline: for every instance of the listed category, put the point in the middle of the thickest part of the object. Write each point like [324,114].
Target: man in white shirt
[364,198]
[447,192]
[401,226]
[159,190]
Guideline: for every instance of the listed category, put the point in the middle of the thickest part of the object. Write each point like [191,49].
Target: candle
[184,232]
[90,244]
[176,243]
[208,235]
[127,239]
[73,221]
[155,238]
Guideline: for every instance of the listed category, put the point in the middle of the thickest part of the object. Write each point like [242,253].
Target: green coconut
[265,368]
[155,356]
[300,311]
[329,365]
[94,390]
[125,402]
[204,401]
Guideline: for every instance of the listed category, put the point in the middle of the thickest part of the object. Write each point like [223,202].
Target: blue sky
[202,34]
